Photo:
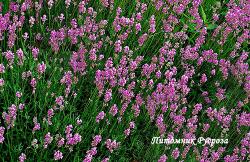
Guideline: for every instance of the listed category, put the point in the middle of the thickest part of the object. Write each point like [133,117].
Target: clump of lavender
[75,75]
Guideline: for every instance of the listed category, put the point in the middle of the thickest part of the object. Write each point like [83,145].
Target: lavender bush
[110,80]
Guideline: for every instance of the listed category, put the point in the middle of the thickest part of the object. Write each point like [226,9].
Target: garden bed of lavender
[124,80]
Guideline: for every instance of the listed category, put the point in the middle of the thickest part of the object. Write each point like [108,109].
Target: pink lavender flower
[59,101]
[196,109]
[2,69]
[132,125]
[22,157]
[126,49]
[81,7]
[144,7]
[1,82]
[205,127]
[21,106]
[160,124]
[100,116]
[96,140]
[36,127]
[25,36]
[9,56]
[220,94]
[32,21]
[127,132]
[138,16]
[50,3]
[90,154]
[152,24]
[2,129]
[79,121]
[50,114]
[118,46]
[72,139]
[35,52]
[41,68]
[203,79]
[67,2]
[44,18]
[60,142]
[175,153]
[112,145]
[33,82]
[47,140]
[113,110]
[67,79]
[244,119]
[138,27]
[10,117]
[163,158]
[108,95]
[88,158]
[58,155]
[105,160]
[142,39]
[18,94]
[68,130]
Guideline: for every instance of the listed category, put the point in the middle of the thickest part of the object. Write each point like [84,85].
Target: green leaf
[191,26]
[211,26]
[204,17]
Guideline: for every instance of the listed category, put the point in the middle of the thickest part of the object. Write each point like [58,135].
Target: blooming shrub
[96,80]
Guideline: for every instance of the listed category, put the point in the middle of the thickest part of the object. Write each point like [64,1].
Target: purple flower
[2,69]
[175,153]
[112,145]
[100,116]
[59,101]
[163,158]
[105,160]
[47,140]
[96,140]
[35,52]
[58,155]
[22,157]
[41,68]
[108,95]
[1,82]
[60,142]
[2,129]
[113,110]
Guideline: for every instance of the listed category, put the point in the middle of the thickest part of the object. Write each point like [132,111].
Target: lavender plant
[109,80]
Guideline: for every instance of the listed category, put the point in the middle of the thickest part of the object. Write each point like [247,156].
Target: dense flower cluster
[84,80]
